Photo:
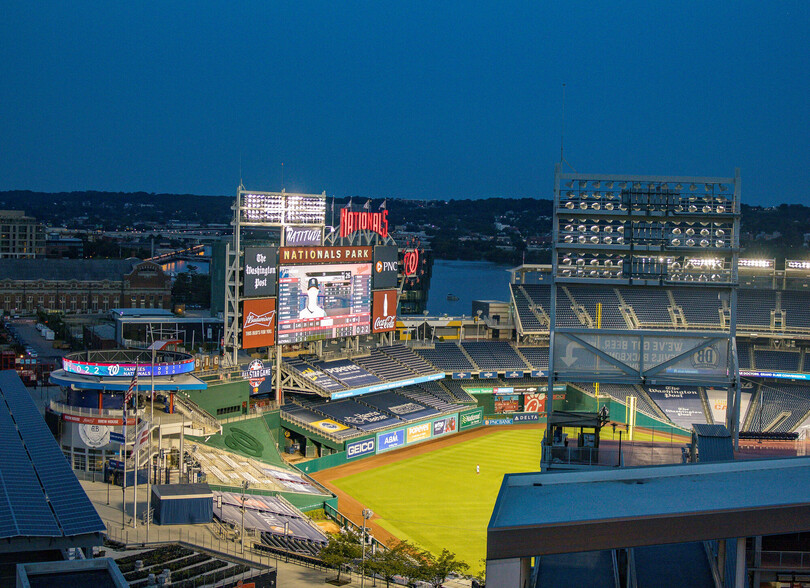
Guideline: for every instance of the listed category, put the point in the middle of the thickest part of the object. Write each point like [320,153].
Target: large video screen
[323,302]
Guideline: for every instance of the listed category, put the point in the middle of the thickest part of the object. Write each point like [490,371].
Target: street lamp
[367,514]
[245,485]
[477,322]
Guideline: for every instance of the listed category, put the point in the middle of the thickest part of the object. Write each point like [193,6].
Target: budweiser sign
[264,320]
[384,309]
[259,323]
[363,221]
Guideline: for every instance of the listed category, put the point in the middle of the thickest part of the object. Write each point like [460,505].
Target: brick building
[81,286]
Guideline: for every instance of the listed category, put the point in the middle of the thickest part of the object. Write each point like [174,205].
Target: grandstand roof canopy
[42,504]
[162,383]
[538,514]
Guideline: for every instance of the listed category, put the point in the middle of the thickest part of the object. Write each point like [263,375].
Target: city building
[81,286]
[21,237]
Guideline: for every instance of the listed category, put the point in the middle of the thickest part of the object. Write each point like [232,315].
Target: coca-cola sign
[384,311]
[258,323]
[302,236]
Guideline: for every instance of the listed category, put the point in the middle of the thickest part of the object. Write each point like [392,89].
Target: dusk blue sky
[401,99]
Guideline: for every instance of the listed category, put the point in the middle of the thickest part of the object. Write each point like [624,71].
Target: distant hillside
[457,229]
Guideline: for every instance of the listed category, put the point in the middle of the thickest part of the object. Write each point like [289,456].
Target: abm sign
[360,448]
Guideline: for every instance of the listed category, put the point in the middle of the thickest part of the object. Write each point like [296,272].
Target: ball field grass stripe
[437,500]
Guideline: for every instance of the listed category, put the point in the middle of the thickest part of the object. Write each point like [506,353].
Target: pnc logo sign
[360,448]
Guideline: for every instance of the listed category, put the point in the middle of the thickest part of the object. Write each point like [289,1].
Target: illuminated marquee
[302,255]
[363,221]
[126,370]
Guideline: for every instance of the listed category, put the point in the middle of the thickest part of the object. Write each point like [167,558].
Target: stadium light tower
[649,233]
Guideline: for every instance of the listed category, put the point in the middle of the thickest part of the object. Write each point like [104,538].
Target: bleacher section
[777,361]
[537,356]
[382,366]
[347,373]
[303,415]
[528,319]
[408,358]
[494,355]
[317,377]
[397,405]
[744,355]
[797,309]
[700,308]
[783,406]
[454,389]
[430,395]
[589,297]
[355,415]
[447,357]
[754,307]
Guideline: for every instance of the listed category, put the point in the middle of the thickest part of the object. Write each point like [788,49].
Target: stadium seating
[744,355]
[797,309]
[788,402]
[447,357]
[453,388]
[316,376]
[347,373]
[590,296]
[700,307]
[397,405]
[354,414]
[383,366]
[409,359]
[754,307]
[776,361]
[528,319]
[649,305]
[494,355]
[537,356]
[303,415]
[420,394]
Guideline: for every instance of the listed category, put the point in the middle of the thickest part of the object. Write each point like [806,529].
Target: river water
[469,280]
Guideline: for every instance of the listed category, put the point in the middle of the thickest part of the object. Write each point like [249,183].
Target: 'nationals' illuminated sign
[302,255]
[363,221]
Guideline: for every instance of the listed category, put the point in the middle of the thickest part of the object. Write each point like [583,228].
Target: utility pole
[367,514]
[245,485]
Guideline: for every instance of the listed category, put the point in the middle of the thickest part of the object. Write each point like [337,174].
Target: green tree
[341,549]
[388,563]
[435,569]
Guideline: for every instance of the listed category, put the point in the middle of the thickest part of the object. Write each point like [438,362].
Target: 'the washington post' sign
[259,278]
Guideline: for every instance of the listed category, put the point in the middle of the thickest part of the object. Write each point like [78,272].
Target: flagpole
[135,455]
[124,464]
[149,449]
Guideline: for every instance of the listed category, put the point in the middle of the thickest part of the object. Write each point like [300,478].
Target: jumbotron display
[323,301]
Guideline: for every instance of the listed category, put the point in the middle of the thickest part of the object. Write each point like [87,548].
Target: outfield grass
[437,500]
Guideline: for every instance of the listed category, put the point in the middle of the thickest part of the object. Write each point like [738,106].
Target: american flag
[133,385]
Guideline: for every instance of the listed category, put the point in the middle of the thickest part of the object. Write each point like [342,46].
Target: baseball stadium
[324,397]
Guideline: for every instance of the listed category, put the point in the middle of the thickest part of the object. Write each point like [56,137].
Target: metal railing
[63,408]
[794,560]
[192,410]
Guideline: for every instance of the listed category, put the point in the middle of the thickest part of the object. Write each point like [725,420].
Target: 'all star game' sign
[260,377]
